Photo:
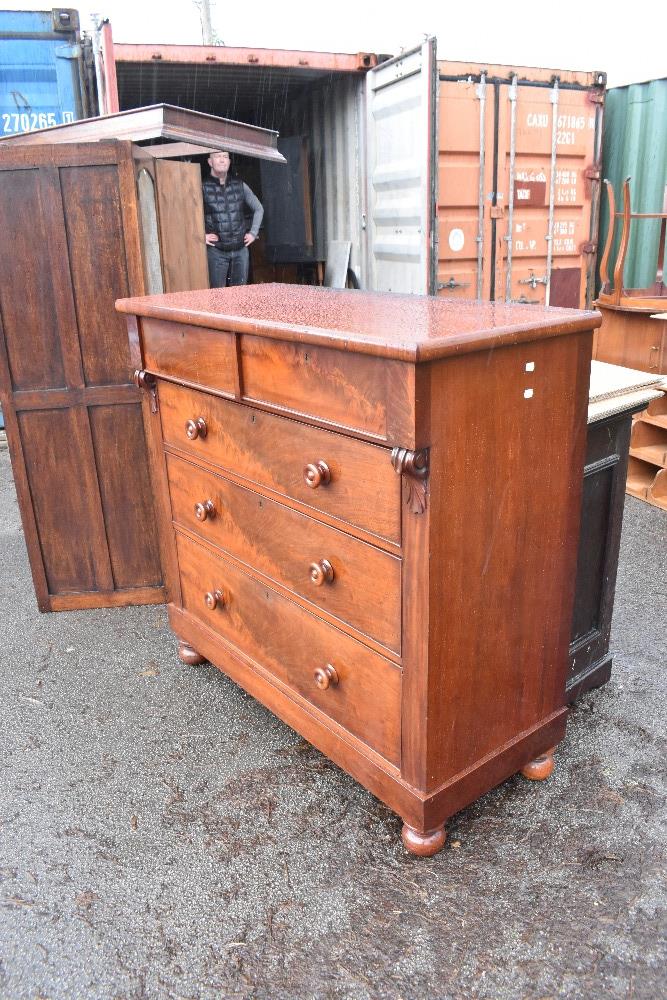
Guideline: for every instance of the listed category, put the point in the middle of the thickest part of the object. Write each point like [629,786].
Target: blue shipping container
[40,69]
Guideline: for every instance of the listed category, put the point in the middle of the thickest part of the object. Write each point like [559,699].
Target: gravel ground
[163,835]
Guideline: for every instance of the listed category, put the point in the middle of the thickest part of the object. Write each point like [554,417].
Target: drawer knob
[214,599]
[205,510]
[326,676]
[321,572]
[317,474]
[196,428]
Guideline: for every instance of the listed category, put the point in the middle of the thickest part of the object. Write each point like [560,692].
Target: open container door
[401,175]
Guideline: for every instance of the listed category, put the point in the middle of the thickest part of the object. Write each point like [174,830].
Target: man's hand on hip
[212,239]
[248,239]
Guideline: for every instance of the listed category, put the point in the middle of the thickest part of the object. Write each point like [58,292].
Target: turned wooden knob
[317,474]
[326,676]
[204,510]
[321,572]
[214,599]
[196,428]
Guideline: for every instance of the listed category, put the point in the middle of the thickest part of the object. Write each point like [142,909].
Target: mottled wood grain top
[407,327]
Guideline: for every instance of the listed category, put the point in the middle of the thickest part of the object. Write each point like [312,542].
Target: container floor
[162,835]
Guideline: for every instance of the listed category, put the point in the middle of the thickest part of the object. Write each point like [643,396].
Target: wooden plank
[172,149]
[108,599]
[182,233]
[127,503]
[94,225]
[27,294]
[55,399]
[58,262]
[23,495]
[64,497]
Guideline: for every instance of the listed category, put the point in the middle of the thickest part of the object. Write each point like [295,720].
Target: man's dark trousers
[227,267]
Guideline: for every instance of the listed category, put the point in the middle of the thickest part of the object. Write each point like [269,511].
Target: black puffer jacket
[223,212]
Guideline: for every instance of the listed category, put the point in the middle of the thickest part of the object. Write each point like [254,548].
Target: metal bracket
[533,281]
[452,284]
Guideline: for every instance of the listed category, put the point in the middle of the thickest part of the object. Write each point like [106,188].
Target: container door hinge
[596,96]
[588,247]
[68,52]
[145,380]
[592,173]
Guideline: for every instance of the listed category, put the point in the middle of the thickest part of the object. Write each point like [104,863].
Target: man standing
[227,241]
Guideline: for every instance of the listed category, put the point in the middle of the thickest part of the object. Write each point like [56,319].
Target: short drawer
[191,353]
[343,478]
[360,689]
[355,392]
[348,578]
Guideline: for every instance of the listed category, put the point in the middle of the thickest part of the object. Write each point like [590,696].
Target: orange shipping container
[465,180]
[528,230]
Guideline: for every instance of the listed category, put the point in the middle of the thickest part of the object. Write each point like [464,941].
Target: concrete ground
[163,835]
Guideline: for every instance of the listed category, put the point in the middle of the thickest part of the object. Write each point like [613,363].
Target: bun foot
[423,844]
[540,768]
[187,654]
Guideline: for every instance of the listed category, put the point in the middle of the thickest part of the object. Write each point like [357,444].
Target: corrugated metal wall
[635,145]
[331,115]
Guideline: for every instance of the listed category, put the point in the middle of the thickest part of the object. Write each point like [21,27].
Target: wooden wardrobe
[87,218]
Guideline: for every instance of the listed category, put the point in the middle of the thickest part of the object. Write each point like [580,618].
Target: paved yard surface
[162,835]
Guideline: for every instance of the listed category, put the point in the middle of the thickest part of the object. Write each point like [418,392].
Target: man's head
[219,163]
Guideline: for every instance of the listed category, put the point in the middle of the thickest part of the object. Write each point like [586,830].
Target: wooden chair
[652,298]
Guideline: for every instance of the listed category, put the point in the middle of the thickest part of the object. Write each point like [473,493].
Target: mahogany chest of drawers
[368,509]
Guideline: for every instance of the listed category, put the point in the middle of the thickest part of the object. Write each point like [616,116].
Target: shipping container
[464,180]
[45,68]
[635,146]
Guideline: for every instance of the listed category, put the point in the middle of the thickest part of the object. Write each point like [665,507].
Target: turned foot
[540,768]
[189,655]
[423,844]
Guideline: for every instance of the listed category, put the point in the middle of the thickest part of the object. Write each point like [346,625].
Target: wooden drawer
[274,452]
[191,353]
[347,578]
[353,391]
[292,644]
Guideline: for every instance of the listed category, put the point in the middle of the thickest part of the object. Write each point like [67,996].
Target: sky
[624,39]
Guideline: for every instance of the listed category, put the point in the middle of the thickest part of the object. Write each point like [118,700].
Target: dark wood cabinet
[70,247]
[605,471]
[86,219]
[352,492]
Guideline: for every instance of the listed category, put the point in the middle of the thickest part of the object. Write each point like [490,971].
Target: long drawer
[346,577]
[360,689]
[341,477]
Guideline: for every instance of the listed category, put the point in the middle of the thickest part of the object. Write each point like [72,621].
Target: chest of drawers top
[340,359]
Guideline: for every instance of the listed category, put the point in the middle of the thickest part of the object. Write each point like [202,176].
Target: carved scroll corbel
[413,466]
